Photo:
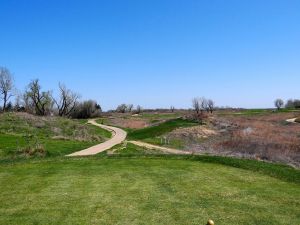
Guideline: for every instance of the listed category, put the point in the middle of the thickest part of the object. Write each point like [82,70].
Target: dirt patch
[133,123]
[193,132]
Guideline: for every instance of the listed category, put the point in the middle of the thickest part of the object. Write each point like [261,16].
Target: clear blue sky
[156,53]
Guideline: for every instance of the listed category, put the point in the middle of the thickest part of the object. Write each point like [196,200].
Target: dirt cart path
[291,120]
[118,137]
[163,149]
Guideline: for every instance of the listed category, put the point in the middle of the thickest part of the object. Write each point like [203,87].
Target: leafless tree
[66,102]
[196,105]
[278,103]
[210,105]
[204,104]
[129,107]
[122,108]
[199,104]
[41,101]
[86,109]
[6,86]
[172,108]
[138,109]
[293,103]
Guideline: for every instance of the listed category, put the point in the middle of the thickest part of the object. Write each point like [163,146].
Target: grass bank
[24,135]
[154,131]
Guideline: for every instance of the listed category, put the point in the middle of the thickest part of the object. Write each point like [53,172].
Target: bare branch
[6,86]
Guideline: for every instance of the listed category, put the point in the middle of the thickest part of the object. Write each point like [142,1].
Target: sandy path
[118,137]
[163,149]
[291,120]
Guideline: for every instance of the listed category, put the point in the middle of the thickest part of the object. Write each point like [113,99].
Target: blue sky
[156,53]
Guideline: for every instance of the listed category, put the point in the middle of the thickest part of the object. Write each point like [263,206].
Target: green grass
[253,112]
[133,150]
[155,131]
[160,141]
[57,136]
[132,191]
[159,116]
[10,144]
[279,171]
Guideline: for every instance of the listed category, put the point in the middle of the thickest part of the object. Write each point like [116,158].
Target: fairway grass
[132,191]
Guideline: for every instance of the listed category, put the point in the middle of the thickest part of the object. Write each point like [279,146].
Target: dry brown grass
[128,122]
[266,137]
[263,137]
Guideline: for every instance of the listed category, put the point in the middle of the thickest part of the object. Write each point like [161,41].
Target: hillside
[25,135]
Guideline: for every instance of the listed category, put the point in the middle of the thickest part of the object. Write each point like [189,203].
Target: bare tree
[172,108]
[204,104]
[66,102]
[121,108]
[196,105]
[86,109]
[41,101]
[6,86]
[129,107]
[138,109]
[293,103]
[210,105]
[199,104]
[278,103]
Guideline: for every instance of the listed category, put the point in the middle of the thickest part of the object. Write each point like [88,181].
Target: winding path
[118,137]
[163,149]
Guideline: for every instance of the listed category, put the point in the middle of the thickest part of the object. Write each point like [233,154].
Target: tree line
[290,104]
[41,102]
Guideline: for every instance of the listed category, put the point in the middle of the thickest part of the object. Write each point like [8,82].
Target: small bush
[32,151]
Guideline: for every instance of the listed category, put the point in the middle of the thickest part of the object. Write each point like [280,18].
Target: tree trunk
[4,102]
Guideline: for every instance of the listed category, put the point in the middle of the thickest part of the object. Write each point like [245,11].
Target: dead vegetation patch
[263,137]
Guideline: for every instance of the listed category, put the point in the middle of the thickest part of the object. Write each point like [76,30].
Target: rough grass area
[128,149]
[256,112]
[138,121]
[155,131]
[132,191]
[24,135]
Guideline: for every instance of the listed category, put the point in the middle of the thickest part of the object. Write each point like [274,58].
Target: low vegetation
[160,129]
[25,135]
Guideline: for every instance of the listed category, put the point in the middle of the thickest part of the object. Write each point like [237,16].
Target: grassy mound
[160,129]
[26,135]
[142,191]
